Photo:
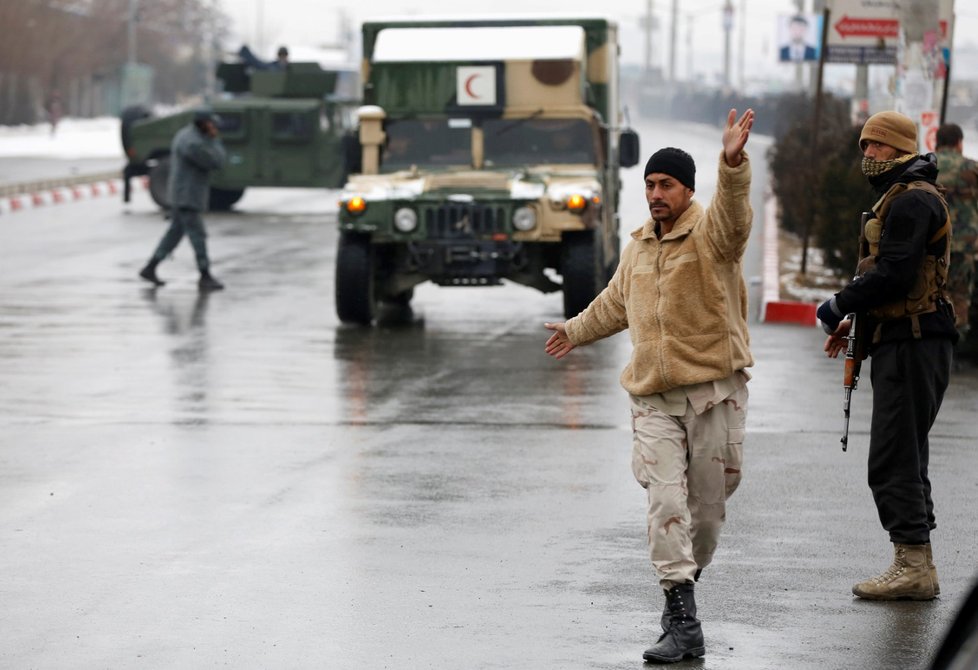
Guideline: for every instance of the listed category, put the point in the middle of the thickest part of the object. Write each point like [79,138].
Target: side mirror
[628,151]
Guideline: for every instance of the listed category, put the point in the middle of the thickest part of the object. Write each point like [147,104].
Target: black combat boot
[149,273]
[666,619]
[684,637]
[208,283]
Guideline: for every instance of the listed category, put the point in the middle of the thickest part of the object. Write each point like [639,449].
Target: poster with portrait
[799,37]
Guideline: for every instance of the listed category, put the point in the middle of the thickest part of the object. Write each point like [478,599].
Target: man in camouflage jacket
[959,176]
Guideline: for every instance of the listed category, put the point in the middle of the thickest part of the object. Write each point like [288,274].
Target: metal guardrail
[24,188]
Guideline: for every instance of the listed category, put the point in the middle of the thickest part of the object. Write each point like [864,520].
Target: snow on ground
[75,138]
[813,286]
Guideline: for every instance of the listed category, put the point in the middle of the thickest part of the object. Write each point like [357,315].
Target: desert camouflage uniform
[687,453]
[959,175]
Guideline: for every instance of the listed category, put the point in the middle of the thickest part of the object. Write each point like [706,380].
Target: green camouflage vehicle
[490,150]
[281,127]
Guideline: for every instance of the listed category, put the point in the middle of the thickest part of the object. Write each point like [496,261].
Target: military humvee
[281,127]
[490,150]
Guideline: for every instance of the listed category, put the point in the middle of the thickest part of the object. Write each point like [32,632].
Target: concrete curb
[773,309]
[56,195]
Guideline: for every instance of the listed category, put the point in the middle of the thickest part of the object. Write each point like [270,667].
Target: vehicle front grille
[464,221]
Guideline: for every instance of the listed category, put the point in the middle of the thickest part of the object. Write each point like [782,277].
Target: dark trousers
[185,222]
[909,379]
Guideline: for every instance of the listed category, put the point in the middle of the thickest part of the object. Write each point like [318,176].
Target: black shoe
[681,641]
[684,636]
[208,283]
[691,605]
[149,274]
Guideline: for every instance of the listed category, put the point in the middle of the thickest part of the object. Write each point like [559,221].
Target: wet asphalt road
[238,480]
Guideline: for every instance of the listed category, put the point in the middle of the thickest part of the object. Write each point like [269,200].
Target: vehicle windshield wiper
[518,122]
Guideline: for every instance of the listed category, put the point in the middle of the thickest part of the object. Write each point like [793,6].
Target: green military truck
[281,127]
[490,150]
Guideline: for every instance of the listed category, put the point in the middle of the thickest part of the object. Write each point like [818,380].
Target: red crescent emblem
[468,85]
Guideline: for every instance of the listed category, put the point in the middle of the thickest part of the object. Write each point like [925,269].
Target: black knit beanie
[675,163]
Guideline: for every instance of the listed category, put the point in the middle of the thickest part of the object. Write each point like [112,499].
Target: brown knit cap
[890,128]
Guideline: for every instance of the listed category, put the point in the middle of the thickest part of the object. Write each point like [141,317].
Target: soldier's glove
[830,315]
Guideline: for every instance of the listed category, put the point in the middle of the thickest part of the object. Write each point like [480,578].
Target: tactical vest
[930,286]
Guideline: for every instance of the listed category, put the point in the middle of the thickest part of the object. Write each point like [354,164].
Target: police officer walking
[959,177]
[196,151]
[901,290]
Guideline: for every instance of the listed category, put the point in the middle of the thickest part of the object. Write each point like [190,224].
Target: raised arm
[735,136]
[729,215]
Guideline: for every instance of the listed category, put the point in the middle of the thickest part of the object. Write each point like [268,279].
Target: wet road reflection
[236,478]
[184,322]
[407,369]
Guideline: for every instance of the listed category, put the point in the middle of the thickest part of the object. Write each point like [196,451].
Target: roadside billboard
[867,32]
[799,37]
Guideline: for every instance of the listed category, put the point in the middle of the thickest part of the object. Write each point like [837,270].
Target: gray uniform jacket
[192,157]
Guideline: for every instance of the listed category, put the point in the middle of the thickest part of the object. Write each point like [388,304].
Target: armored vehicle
[281,127]
[490,150]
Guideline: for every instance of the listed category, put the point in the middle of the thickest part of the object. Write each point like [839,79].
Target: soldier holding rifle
[900,297]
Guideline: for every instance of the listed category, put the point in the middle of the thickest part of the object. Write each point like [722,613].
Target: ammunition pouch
[930,284]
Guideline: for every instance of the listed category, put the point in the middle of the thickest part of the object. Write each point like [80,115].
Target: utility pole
[813,151]
[818,7]
[860,98]
[741,48]
[728,11]
[918,54]
[131,31]
[799,70]
[648,37]
[673,27]
[690,75]
[211,50]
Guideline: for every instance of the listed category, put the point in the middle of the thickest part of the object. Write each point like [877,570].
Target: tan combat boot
[933,570]
[909,578]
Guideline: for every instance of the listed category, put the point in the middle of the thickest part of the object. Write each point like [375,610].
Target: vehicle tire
[356,300]
[222,199]
[582,269]
[159,175]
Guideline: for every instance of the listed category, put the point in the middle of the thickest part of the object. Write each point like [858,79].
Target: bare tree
[77,47]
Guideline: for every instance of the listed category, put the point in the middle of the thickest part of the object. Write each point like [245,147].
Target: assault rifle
[855,343]
[855,354]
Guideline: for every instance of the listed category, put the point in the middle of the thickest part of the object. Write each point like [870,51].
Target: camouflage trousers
[960,286]
[689,466]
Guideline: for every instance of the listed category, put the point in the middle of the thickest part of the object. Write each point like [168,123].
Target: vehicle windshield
[426,143]
[530,141]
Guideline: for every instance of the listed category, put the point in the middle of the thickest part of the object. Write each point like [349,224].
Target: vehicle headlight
[405,219]
[576,203]
[524,218]
[356,205]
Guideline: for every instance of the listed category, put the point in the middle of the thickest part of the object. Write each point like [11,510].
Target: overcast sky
[265,24]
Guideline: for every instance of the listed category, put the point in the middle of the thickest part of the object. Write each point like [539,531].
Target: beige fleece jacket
[683,298]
